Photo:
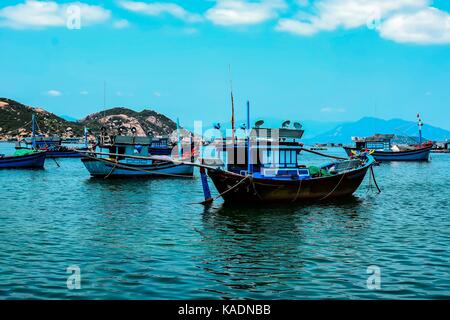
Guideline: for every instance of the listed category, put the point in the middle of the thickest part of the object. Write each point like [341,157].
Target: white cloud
[240,12]
[428,26]
[44,14]
[333,110]
[332,14]
[53,93]
[159,8]
[121,24]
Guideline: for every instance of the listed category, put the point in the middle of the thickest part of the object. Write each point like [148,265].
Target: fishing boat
[23,159]
[266,167]
[384,149]
[51,145]
[441,147]
[134,156]
[319,147]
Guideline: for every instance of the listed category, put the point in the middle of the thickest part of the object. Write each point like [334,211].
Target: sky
[326,60]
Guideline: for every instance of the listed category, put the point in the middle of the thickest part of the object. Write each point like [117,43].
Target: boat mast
[232,106]
[249,164]
[33,130]
[420,124]
[180,154]
[85,137]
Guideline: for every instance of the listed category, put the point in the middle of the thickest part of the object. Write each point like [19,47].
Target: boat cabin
[273,153]
[41,141]
[379,142]
[126,145]
[160,147]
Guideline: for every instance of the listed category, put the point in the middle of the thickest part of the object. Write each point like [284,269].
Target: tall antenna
[104,97]
[420,124]
[232,104]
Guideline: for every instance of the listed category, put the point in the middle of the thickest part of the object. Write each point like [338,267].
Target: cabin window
[282,157]
[111,150]
[120,150]
[377,145]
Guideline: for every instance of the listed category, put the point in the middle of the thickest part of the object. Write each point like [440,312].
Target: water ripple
[144,239]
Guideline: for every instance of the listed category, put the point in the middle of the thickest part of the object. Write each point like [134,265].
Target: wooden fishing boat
[266,168]
[32,159]
[51,145]
[385,150]
[441,147]
[130,156]
[294,185]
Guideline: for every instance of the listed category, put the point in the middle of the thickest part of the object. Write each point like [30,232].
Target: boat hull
[108,168]
[35,160]
[287,191]
[67,153]
[422,154]
[63,154]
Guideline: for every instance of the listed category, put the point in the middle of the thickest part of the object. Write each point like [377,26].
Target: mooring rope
[374,179]
[298,191]
[337,185]
[226,191]
[323,154]
[119,165]
[254,189]
[56,162]
[113,168]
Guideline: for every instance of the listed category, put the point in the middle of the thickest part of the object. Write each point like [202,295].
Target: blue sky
[324,60]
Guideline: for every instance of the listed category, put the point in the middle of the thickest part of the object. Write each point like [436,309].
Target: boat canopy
[133,140]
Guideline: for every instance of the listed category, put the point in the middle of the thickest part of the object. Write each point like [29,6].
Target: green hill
[145,122]
[15,121]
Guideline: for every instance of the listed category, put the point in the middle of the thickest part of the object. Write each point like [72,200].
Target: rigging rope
[138,169]
[9,132]
[323,154]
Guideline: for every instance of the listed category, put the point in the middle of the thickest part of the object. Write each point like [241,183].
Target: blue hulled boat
[21,159]
[128,156]
[51,145]
[266,167]
[385,150]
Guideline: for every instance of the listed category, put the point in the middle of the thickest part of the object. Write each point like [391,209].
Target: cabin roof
[132,140]
[376,138]
[43,139]
[281,132]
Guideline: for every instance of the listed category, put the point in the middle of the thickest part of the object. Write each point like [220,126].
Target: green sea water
[148,239]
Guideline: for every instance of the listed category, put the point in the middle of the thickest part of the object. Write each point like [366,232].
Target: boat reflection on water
[256,251]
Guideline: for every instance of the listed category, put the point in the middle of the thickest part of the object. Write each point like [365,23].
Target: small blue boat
[385,150]
[124,156]
[51,145]
[32,159]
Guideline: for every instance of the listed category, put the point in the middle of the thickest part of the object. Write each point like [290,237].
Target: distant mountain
[145,122]
[368,126]
[15,121]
